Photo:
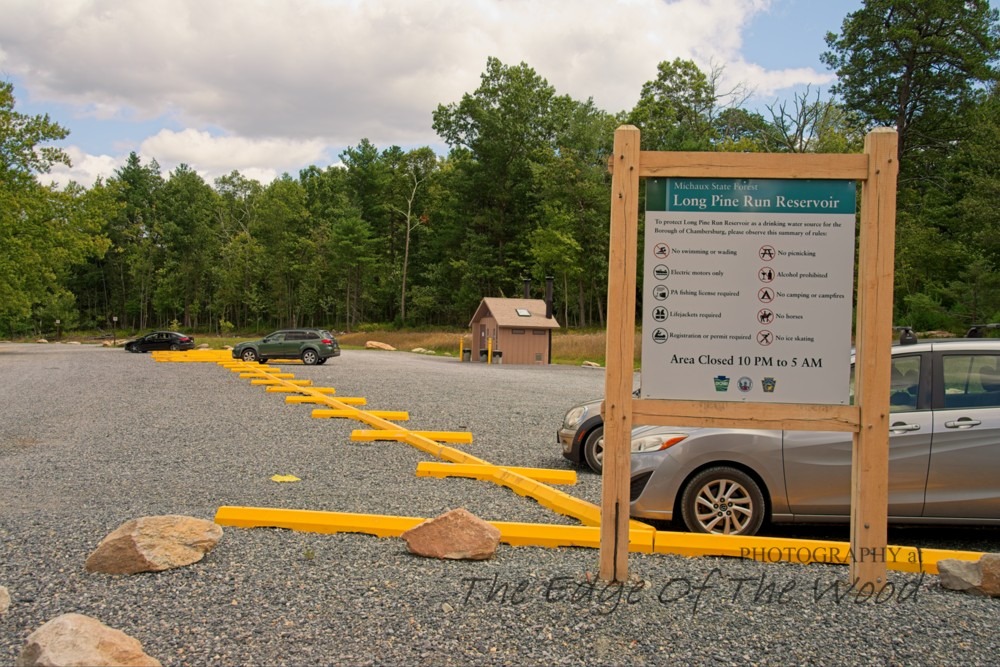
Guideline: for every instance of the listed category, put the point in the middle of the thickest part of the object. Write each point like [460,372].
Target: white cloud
[280,80]
[86,168]
[213,156]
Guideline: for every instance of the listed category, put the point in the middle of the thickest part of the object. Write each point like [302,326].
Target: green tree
[191,245]
[240,297]
[284,231]
[913,65]
[495,134]
[415,169]
[813,125]
[44,232]
[572,216]
[676,111]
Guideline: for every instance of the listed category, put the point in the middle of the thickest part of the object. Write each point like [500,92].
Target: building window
[517,332]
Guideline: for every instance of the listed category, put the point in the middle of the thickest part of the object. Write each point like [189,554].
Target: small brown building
[520,330]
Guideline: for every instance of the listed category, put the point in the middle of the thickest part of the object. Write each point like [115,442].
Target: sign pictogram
[765,295]
[660,314]
[661,250]
[660,292]
[765,337]
[661,272]
[766,274]
[766,253]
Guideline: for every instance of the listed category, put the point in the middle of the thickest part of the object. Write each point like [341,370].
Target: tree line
[410,238]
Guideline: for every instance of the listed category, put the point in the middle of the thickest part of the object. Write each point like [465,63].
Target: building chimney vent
[548,297]
[527,288]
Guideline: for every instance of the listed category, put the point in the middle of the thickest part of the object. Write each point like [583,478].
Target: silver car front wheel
[593,449]
[723,500]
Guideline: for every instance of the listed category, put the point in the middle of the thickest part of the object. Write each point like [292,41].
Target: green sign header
[750,195]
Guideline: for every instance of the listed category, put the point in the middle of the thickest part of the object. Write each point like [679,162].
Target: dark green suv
[312,346]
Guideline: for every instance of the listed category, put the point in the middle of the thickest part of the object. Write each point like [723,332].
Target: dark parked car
[160,340]
[944,455]
[312,346]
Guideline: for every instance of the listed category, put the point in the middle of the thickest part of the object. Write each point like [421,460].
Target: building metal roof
[515,313]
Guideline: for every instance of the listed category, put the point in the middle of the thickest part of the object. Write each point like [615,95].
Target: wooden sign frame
[867,419]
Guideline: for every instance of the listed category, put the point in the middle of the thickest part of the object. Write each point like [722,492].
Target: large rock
[375,345]
[457,535]
[989,568]
[981,577]
[75,640]
[959,575]
[154,543]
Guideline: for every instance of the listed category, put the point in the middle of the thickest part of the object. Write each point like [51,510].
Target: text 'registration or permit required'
[748,287]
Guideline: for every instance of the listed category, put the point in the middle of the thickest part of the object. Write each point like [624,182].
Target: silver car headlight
[574,417]
[655,443]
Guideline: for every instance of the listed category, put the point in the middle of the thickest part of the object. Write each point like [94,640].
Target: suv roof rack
[979,330]
[906,335]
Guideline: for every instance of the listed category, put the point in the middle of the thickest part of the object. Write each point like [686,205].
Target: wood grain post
[622,267]
[873,361]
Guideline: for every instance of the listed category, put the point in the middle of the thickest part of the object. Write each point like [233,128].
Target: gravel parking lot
[92,437]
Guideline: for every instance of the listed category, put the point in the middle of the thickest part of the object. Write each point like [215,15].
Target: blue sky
[269,86]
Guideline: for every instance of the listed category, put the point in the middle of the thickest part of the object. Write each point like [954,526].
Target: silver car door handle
[962,423]
[901,427]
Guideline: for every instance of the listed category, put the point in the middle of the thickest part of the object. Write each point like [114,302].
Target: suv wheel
[593,449]
[309,357]
[723,500]
[249,354]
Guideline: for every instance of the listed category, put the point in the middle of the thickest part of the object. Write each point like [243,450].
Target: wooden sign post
[867,419]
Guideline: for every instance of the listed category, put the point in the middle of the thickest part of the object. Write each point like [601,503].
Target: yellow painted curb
[321,413]
[400,434]
[515,534]
[485,472]
[346,400]
[289,390]
[271,381]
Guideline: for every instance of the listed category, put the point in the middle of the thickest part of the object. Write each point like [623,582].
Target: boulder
[989,569]
[959,575]
[590,364]
[75,639]
[154,543]
[456,535]
[41,340]
[375,345]
[4,600]
[202,346]
[981,577]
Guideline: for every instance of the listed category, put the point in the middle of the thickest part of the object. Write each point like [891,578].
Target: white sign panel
[747,290]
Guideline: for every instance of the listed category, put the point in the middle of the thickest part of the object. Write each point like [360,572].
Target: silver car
[944,455]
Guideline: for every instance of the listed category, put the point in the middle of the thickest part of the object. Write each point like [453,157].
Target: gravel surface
[92,437]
